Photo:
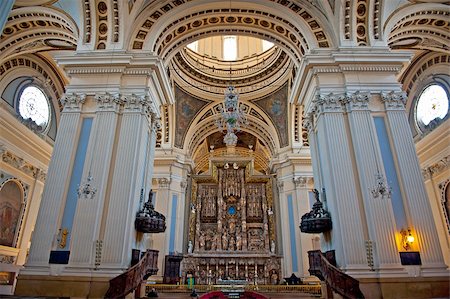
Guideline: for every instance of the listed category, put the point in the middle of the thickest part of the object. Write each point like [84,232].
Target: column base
[62,286]
[408,287]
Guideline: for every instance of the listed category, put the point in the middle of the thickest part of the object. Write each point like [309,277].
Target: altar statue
[201,241]
[190,247]
[225,240]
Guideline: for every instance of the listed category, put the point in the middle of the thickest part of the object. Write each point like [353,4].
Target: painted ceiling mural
[186,107]
[275,106]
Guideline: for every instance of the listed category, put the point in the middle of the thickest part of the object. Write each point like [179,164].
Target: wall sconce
[407,239]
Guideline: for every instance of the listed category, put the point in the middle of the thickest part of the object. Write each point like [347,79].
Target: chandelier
[231,117]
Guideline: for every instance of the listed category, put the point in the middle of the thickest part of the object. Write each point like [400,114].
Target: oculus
[432,106]
[34,105]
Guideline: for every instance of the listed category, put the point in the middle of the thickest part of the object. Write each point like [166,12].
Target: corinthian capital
[394,100]
[133,102]
[329,102]
[107,101]
[302,181]
[357,101]
[73,101]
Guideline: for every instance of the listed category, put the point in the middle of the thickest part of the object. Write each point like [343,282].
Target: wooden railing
[338,281]
[128,281]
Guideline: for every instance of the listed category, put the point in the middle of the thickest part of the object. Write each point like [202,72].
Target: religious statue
[225,240]
[190,247]
[272,247]
[238,241]
[201,241]
[213,241]
[231,244]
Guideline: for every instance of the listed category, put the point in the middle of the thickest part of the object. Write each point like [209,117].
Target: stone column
[302,185]
[380,225]
[47,223]
[86,228]
[339,181]
[416,201]
[129,162]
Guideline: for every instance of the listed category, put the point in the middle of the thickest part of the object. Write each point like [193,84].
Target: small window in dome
[33,104]
[266,45]
[193,46]
[229,48]
[432,105]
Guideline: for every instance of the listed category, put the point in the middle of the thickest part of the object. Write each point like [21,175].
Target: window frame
[421,128]
[19,94]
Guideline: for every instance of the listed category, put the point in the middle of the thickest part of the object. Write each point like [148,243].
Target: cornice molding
[436,168]
[22,165]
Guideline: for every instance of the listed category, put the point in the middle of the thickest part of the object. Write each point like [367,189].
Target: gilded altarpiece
[232,227]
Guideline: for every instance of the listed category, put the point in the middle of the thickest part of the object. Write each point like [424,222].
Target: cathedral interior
[224,143]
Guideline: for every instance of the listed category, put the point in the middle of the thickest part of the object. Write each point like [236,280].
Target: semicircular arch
[197,133]
[32,29]
[294,28]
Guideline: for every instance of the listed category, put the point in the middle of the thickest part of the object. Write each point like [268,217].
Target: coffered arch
[420,26]
[32,29]
[294,27]
[260,128]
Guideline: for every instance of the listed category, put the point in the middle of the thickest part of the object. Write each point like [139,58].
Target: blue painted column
[292,228]
[173,223]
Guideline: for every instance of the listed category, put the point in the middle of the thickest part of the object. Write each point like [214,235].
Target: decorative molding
[308,122]
[108,102]
[280,185]
[22,165]
[7,259]
[329,103]
[73,102]
[394,100]
[444,201]
[98,252]
[302,181]
[357,68]
[436,168]
[357,101]
[183,185]
[163,183]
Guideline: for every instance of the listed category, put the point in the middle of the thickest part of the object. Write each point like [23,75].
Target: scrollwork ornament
[357,101]
[107,101]
[394,100]
[73,102]
[329,102]
[308,123]
[133,102]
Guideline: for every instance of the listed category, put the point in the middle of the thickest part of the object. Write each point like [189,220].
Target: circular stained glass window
[33,104]
[432,104]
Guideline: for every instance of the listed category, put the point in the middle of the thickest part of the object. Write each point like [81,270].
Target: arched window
[11,198]
[229,48]
[432,106]
[34,105]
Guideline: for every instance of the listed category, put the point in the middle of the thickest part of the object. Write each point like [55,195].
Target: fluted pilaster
[126,183]
[411,178]
[378,211]
[53,199]
[339,181]
[89,210]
